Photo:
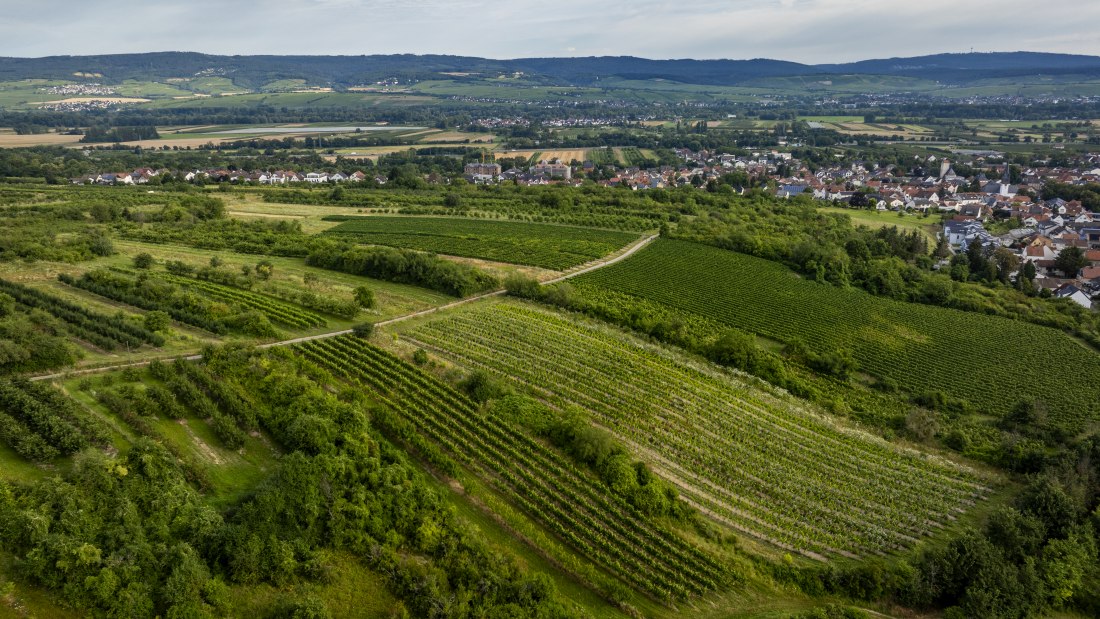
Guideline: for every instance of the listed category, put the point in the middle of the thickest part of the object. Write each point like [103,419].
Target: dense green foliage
[33,342]
[920,348]
[542,245]
[106,332]
[276,310]
[129,536]
[751,458]
[187,303]
[406,267]
[41,424]
[50,232]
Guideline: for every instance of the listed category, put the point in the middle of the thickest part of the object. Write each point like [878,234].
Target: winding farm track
[587,268]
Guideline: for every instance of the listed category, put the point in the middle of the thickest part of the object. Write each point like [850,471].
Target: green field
[886,219]
[750,458]
[542,245]
[922,348]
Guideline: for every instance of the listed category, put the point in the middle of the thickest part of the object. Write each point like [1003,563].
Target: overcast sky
[810,31]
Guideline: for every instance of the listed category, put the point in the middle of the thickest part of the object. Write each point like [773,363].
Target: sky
[808,31]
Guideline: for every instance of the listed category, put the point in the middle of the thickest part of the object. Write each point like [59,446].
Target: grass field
[920,347]
[542,245]
[886,219]
[750,458]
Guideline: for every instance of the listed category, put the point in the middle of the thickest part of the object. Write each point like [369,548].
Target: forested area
[129,536]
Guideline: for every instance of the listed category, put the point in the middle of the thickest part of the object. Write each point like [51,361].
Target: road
[592,266]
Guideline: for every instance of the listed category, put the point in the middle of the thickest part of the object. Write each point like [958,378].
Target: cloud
[812,31]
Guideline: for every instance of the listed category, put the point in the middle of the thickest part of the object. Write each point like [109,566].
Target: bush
[481,387]
[364,297]
[143,261]
[157,320]
[363,329]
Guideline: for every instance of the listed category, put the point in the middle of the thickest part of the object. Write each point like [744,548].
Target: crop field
[214,307]
[920,347]
[537,479]
[542,245]
[10,139]
[632,157]
[534,156]
[39,423]
[101,330]
[276,310]
[753,459]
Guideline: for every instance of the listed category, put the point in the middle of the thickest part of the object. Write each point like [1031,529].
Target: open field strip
[782,474]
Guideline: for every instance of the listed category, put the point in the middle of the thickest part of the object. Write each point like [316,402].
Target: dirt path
[592,266]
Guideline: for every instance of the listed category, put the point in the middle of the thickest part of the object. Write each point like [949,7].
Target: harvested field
[12,140]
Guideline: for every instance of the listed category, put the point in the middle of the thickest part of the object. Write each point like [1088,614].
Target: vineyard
[602,156]
[276,310]
[543,484]
[633,157]
[217,308]
[106,332]
[986,360]
[41,423]
[755,460]
[542,245]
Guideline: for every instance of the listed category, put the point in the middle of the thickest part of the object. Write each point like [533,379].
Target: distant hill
[965,67]
[255,71]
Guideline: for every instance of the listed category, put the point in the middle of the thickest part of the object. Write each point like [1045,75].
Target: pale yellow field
[903,130]
[96,100]
[565,156]
[170,142]
[458,136]
[11,140]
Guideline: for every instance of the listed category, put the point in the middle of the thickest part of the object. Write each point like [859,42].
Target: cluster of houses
[1040,244]
[143,176]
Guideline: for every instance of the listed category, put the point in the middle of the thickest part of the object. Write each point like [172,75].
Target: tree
[1007,262]
[265,269]
[363,330]
[364,297]
[143,261]
[1071,260]
[157,320]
